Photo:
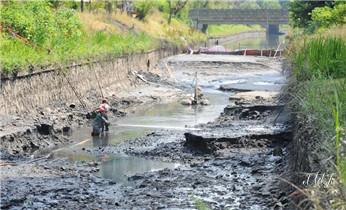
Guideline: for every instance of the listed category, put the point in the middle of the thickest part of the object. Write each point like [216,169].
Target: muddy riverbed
[227,155]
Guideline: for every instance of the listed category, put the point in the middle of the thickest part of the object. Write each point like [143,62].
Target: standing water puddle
[172,116]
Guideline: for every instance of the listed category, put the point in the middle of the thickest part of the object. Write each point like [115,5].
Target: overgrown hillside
[38,33]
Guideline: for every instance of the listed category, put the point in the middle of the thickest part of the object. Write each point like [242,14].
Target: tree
[269,4]
[284,4]
[249,5]
[327,16]
[143,8]
[55,3]
[108,6]
[175,7]
[300,11]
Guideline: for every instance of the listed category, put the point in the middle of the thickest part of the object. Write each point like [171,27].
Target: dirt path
[231,162]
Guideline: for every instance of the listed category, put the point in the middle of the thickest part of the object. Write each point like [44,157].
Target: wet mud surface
[47,128]
[231,159]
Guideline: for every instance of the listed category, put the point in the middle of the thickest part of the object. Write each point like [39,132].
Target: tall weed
[320,58]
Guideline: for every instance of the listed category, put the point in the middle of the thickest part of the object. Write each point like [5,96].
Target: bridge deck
[239,16]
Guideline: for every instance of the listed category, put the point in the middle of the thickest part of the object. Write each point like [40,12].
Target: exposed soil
[232,162]
[47,128]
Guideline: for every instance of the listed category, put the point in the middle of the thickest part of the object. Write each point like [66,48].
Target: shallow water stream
[171,116]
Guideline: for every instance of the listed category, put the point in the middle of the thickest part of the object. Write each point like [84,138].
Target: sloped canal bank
[230,160]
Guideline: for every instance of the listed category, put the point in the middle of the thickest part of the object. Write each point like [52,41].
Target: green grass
[340,125]
[319,100]
[324,103]
[320,58]
[50,36]
[16,56]
[226,30]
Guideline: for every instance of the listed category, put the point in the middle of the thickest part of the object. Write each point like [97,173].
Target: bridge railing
[240,16]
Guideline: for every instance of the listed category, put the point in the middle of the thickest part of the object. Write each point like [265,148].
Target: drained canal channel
[230,154]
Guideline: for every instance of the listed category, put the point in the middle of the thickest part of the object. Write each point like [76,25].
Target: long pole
[74,90]
[277,49]
[196,89]
[97,79]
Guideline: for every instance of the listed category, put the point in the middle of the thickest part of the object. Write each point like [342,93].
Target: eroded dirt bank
[228,160]
[39,109]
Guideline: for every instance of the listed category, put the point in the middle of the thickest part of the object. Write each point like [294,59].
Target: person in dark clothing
[99,122]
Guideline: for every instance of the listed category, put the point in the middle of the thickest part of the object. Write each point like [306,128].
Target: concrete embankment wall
[29,91]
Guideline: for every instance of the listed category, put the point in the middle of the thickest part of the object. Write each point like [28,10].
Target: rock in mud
[205,102]
[198,143]
[186,102]
[44,128]
[189,102]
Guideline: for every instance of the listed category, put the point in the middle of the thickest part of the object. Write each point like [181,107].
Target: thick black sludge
[228,155]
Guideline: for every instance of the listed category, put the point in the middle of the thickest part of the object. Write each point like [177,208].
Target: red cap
[101,109]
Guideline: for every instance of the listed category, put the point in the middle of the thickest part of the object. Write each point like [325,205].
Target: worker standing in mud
[105,105]
[99,122]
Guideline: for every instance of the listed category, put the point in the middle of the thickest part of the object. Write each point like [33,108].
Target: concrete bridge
[269,18]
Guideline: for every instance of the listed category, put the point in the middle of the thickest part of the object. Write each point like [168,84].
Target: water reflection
[262,42]
[119,168]
[101,141]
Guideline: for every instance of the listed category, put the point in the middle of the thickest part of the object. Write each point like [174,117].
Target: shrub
[327,16]
[143,8]
[38,23]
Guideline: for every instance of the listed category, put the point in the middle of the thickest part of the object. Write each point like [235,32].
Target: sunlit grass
[319,64]
[156,25]
[102,36]
[96,22]
[320,58]
[16,55]
[225,30]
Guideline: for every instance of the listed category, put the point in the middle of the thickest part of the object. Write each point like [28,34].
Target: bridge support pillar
[204,28]
[272,29]
[200,26]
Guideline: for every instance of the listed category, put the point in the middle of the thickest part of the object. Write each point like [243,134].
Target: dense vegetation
[311,15]
[319,98]
[44,32]
[41,33]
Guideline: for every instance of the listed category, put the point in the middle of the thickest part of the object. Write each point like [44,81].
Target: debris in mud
[254,97]
[251,112]
[198,143]
[231,88]
[197,99]
[209,144]
[191,101]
